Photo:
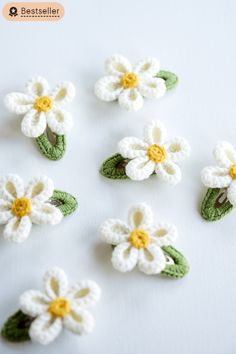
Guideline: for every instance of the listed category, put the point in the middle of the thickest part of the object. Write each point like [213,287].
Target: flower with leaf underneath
[139,241]
[129,84]
[59,306]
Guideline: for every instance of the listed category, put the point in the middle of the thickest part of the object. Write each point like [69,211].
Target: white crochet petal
[11,187]
[178,149]
[117,65]
[34,123]
[155,132]
[131,100]
[139,168]
[148,66]
[164,234]
[216,177]
[132,147]
[59,121]
[34,303]
[140,216]
[63,93]
[37,86]
[231,193]
[19,103]
[40,189]
[17,230]
[124,257]
[108,88]
[84,293]
[152,87]
[55,283]
[45,328]
[79,321]
[5,211]
[225,154]
[151,259]
[45,213]
[169,172]
[114,231]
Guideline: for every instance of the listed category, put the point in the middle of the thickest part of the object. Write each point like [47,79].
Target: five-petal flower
[59,306]
[139,241]
[154,154]
[130,84]
[20,206]
[42,106]
[224,174]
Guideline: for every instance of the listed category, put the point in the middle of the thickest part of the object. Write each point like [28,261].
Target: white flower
[59,306]
[42,107]
[138,242]
[224,174]
[154,154]
[20,207]
[130,84]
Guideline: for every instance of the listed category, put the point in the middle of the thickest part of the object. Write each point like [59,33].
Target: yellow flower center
[59,307]
[157,153]
[43,104]
[21,207]
[129,80]
[232,171]
[139,238]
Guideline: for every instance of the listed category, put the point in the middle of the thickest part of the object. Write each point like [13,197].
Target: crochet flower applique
[44,116]
[129,84]
[43,315]
[221,182]
[138,158]
[37,203]
[145,244]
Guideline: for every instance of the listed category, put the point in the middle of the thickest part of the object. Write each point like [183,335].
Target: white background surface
[137,313]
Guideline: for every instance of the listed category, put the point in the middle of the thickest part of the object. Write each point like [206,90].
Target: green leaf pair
[215,205]
[51,145]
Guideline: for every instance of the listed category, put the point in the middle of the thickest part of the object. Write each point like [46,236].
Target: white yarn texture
[34,121]
[219,176]
[151,259]
[109,88]
[141,166]
[46,327]
[39,190]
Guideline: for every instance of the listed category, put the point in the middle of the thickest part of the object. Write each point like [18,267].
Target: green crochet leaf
[16,328]
[64,201]
[180,267]
[215,205]
[51,145]
[171,79]
[114,167]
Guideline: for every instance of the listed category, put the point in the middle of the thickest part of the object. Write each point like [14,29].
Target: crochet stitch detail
[215,204]
[53,151]
[59,307]
[129,80]
[157,153]
[21,207]
[43,104]
[139,238]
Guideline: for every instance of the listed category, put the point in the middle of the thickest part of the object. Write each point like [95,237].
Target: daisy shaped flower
[42,106]
[59,306]
[154,154]
[224,174]
[129,84]
[139,241]
[20,206]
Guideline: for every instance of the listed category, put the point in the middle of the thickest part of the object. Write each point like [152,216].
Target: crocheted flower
[42,107]
[59,306]
[138,242]
[20,207]
[130,84]
[224,174]
[154,154]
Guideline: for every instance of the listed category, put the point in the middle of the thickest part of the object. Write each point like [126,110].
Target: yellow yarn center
[43,104]
[139,238]
[157,153]
[21,207]
[232,171]
[59,307]
[129,80]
